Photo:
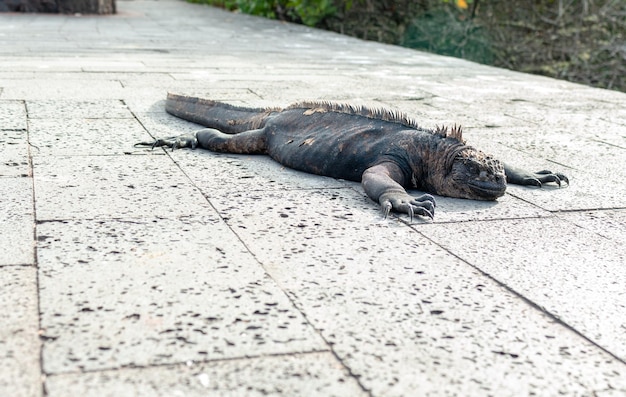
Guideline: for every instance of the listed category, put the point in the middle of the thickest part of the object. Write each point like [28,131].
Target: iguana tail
[227,118]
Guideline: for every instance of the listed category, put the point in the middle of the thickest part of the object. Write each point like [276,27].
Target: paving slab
[312,374]
[19,336]
[71,109]
[87,187]
[12,115]
[18,221]
[37,63]
[114,294]
[87,137]
[193,273]
[573,273]
[20,89]
[401,311]
[14,150]
[608,224]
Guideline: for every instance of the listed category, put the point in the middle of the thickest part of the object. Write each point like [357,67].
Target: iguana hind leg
[247,142]
[174,142]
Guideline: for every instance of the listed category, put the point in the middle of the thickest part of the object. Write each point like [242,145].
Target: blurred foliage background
[582,41]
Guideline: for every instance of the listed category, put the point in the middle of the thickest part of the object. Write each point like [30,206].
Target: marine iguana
[383,149]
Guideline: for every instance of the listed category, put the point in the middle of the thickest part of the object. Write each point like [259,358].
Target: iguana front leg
[384,182]
[518,176]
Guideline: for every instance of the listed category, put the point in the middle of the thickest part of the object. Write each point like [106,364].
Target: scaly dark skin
[384,150]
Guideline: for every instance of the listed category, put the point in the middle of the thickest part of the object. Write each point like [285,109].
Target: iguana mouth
[486,190]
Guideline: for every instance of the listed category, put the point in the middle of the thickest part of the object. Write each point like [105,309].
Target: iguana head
[455,169]
[474,175]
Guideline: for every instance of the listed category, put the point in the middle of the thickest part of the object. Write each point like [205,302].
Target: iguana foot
[540,177]
[518,176]
[173,142]
[549,176]
[423,205]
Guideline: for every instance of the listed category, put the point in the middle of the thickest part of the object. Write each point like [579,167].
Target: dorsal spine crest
[389,115]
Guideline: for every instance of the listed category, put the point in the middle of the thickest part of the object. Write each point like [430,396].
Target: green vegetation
[308,12]
[578,40]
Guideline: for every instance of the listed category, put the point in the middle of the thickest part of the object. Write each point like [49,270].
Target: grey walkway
[125,272]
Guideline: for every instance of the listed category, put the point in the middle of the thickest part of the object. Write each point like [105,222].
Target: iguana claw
[549,176]
[411,213]
[401,202]
[386,207]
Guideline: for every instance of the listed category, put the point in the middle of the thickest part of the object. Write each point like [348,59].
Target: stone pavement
[129,272]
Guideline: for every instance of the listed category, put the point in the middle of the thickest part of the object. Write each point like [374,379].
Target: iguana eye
[472,167]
